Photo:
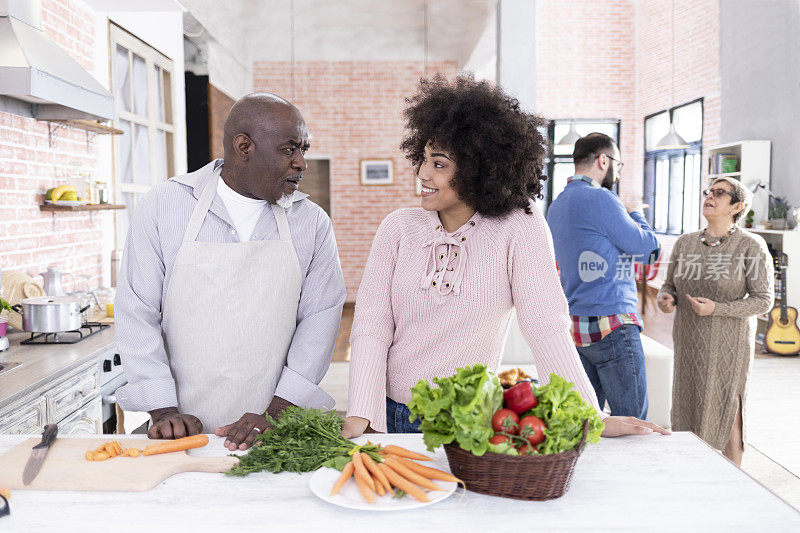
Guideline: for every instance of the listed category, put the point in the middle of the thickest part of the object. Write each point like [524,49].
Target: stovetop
[67,337]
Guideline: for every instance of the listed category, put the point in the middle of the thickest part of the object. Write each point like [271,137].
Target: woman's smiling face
[435,173]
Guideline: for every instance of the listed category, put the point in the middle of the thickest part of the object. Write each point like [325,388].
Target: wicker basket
[522,477]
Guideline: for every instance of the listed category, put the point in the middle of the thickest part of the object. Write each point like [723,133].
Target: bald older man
[231,289]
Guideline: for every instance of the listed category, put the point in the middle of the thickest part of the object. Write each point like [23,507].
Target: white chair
[658,360]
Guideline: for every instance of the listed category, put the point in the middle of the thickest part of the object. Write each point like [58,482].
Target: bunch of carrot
[396,470]
[114,448]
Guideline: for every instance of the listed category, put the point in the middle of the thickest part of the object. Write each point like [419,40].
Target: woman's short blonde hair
[741,192]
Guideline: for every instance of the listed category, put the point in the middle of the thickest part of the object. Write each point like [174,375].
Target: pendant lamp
[672,141]
[571,137]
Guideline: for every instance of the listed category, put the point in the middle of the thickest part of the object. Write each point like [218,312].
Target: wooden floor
[341,351]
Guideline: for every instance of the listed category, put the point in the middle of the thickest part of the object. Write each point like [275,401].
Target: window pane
[675,195]
[691,197]
[585,128]
[654,129]
[139,86]
[649,193]
[561,172]
[689,122]
[159,94]
[124,143]
[141,155]
[167,88]
[123,88]
[662,195]
[124,215]
[161,156]
[169,154]
[561,128]
[559,131]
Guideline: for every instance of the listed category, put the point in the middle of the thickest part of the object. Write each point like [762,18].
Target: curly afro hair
[497,147]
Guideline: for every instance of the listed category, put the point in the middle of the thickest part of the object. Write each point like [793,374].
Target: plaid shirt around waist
[587,330]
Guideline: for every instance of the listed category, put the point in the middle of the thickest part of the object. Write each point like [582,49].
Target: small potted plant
[778,210]
[748,219]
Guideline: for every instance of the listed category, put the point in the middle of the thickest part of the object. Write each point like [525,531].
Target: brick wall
[613,59]
[353,111]
[697,72]
[29,166]
[586,68]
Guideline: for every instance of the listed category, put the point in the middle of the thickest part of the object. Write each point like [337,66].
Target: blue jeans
[615,366]
[397,418]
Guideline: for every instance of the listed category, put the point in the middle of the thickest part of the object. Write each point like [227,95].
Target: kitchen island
[637,483]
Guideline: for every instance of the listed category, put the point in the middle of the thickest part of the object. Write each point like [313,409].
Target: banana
[59,191]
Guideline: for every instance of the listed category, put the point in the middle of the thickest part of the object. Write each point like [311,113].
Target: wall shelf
[92,128]
[87,207]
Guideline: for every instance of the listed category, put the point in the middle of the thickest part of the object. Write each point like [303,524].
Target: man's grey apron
[228,319]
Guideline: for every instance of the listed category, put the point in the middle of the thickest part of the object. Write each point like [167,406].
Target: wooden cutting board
[66,468]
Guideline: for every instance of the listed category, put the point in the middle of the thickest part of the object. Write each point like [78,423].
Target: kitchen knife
[39,451]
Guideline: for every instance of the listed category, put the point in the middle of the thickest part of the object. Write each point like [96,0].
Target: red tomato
[505,420]
[499,439]
[526,449]
[532,428]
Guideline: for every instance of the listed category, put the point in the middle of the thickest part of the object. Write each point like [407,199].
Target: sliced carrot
[376,472]
[402,452]
[89,456]
[177,445]
[428,472]
[118,446]
[403,484]
[412,476]
[361,471]
[133,452]
[100,456]
[347,473]
[366,492]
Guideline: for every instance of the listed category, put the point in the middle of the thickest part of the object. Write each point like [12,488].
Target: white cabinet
[72,392]
[28,415]
[71,401]
[84,421]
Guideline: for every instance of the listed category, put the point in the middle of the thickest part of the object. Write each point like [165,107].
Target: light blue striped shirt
[152,244]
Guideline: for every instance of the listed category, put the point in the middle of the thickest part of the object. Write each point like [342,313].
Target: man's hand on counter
[242,433]
[169,423]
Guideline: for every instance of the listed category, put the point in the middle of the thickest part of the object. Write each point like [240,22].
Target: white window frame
[152,58]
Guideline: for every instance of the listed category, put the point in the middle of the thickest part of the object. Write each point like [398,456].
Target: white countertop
[641,483]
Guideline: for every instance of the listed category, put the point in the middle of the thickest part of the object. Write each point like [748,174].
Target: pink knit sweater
[431,302]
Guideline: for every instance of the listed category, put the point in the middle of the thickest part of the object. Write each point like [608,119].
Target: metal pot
[50,314]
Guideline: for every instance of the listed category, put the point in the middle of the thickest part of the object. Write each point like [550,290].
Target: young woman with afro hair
[442,281]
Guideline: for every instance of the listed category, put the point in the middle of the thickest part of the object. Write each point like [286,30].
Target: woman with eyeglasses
[443,279]
[719,279]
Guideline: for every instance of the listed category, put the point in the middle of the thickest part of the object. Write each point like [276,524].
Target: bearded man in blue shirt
[597,239]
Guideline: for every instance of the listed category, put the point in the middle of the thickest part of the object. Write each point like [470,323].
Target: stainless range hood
[37,77]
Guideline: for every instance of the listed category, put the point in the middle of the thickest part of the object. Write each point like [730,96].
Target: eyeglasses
[719,192]
[620,163]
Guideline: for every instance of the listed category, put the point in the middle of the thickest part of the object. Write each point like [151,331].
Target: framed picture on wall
[377,172]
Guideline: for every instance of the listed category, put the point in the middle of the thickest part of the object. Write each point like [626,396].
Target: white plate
[350,497]
[66,202]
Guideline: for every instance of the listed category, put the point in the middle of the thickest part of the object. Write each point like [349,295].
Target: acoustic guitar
[783,336]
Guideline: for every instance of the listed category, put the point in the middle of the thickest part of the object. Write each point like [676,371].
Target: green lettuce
[563,410]
[459,409]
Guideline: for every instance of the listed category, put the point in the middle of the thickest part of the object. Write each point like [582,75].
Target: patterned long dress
[714,354]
